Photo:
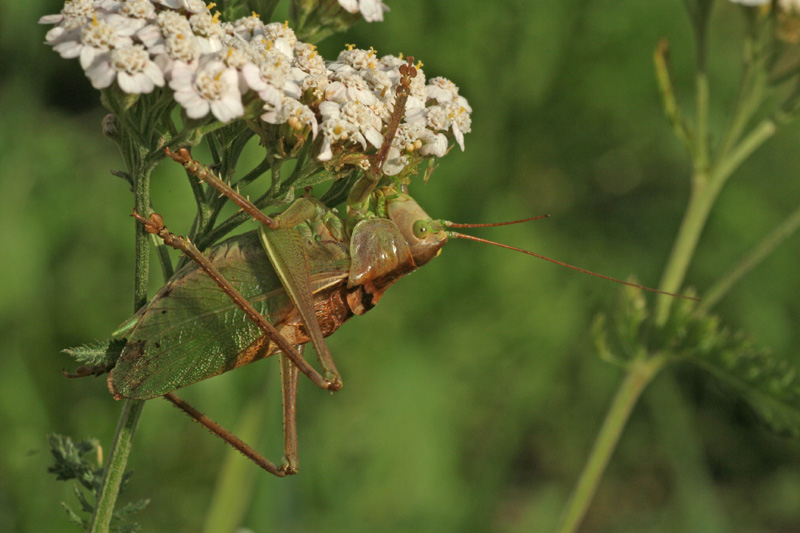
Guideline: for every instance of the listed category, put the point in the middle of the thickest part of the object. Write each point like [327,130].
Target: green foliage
[82,462]
[99,354]
[767,382]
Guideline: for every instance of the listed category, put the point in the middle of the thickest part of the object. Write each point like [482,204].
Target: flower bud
[111,127]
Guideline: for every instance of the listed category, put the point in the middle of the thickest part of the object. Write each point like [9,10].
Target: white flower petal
[173,4]
[182,76]
[435,145]
[372,10]
[195,106]
[395,162]
[349,5]
[374,137]
[329,109]
[87,56]
[150,35]
[135,83]
[458,135]
[415,116]
[292,90]
[101,74]
[155,74]
[252,75]
[227,109]
[325,153]
[68,49]
[51,19]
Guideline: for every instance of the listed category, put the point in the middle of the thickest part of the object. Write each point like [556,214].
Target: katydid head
[425,236]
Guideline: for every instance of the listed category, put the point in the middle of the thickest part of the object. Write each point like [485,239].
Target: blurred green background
[472,395]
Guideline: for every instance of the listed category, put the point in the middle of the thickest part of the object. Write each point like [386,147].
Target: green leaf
[313,179]
[767,382]
[71,461]
[625,339]
[76,460]
[98,355]
[339,190]
[74,518]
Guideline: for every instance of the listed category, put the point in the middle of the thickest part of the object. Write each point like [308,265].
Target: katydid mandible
[297,278]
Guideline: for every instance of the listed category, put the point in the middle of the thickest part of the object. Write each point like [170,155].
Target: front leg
[202,172]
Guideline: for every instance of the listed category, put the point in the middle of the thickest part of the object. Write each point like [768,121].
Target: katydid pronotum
[296,279]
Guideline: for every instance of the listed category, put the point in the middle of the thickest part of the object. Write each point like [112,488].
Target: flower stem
[132,409]
[115,468]
[705,189]
[701,141]
[704,193]
[640,373]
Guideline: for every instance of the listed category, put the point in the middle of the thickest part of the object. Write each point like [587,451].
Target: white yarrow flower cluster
[251,69]
[359,100]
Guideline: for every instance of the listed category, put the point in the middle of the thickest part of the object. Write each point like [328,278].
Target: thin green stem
[700,202]
[752,259]
[709,177]
[757,136]
[259,169]
[702,139]
[115,468]
[640,373]
[741,114]
[132,409]
[167,270]
[705,190]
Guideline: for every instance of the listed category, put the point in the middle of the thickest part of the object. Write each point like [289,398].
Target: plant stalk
[640,373]
[132,409]
[701,200]
[705,190]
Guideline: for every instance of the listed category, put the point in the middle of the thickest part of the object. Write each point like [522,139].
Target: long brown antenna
[628,283]
[448,224]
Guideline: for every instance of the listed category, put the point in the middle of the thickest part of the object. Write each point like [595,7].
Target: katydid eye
[421,229]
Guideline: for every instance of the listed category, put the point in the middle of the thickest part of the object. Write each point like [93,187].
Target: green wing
[191,330]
